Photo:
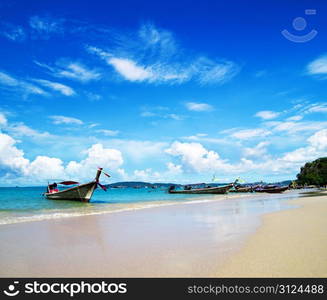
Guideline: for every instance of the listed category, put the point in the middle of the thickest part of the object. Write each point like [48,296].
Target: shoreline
[121,207]
[201,239]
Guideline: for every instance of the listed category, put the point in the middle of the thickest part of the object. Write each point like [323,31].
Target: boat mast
[98,175]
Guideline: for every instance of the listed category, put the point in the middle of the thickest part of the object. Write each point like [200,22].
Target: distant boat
[82,192]
[272,189]
[242,189]
[207,190]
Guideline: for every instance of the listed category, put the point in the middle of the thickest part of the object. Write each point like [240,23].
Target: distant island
[141,184]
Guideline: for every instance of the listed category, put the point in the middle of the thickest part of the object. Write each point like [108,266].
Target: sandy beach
[227,238]
[290,243]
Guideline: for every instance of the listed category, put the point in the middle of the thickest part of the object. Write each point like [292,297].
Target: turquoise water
[25,204]
[31,197]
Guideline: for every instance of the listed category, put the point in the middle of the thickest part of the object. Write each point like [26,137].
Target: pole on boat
[98,174]
[100,170]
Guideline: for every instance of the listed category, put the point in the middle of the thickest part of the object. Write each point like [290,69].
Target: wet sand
[208,239]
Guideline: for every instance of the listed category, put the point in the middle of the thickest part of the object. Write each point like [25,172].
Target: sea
[26,204]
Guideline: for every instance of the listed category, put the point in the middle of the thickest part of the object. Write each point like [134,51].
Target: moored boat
[243,189]
[272,190]
[206,190]
[81,192]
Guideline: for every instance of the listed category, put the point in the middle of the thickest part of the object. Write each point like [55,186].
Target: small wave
[60,215]
[112,208]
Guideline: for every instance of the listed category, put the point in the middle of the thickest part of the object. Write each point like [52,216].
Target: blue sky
[161,91]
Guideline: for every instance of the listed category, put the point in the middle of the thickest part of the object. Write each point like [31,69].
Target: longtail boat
[243,189]
[272,190]
[81,192]
[207,190]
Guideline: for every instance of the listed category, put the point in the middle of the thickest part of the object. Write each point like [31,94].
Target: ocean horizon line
[155,183]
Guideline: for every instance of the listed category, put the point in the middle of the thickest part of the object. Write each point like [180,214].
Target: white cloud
[16,166]
[258,151]
[133,70]
[65,120]
[146,175]
[194,157]
[174,169]
[160,39]
[20,130]
[63,89]
[13,32]
[193,106]
[148,114]
[291,127]
[44,26]
[93,96]
[317,147]
[79,72]
[97,156]
[129,69]
[108,132]
[3,119]
[153,56]
[71,70]
[317,109]
[45,167]
[246,134]
[171,173]
[122,174]
[318,66]
[208,71]
[160,112]
[137,150]
[32,89]
[190,159]
[203,137]
[267,114]
[10,156]
[8,80]
[174,117]
[319,140]
[12,160]
[17,85]
[295,118]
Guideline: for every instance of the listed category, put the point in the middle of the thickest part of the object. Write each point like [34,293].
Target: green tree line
[313,173]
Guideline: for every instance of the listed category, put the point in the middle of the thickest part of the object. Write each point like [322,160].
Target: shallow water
[27,203]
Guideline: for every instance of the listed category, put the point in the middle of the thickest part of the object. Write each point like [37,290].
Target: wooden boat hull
[82,193]
[212,190]
[273,190]
[242,190]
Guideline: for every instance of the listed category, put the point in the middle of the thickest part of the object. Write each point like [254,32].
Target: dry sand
[290,243]
[211,239]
